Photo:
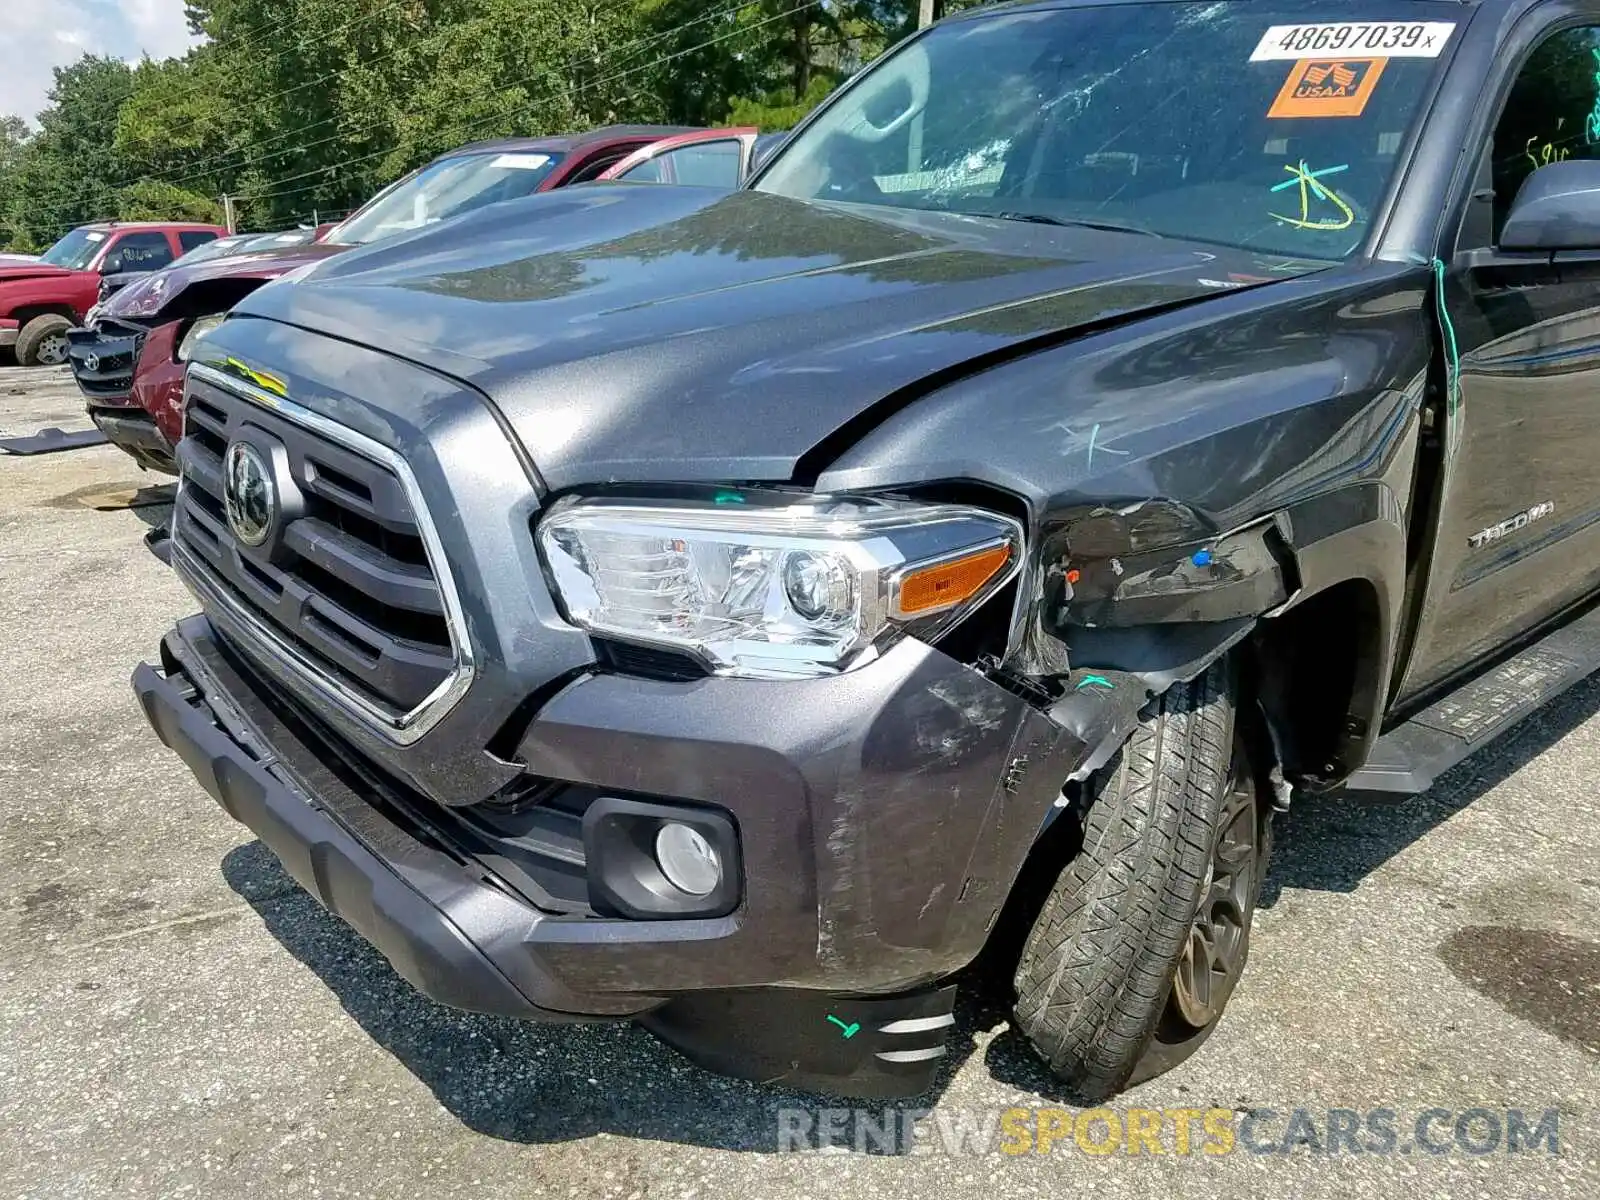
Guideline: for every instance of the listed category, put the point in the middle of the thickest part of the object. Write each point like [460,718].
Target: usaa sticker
[1328,87]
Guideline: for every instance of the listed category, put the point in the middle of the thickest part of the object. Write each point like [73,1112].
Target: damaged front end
[1121,602]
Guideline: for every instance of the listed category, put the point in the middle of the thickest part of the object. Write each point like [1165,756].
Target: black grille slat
[348,582]
[199,418]
[328,472]
[354,562]
[536,847]
[201,467]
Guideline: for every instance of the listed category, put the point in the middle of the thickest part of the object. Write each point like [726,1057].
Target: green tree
[13,137]
[295,107]
[68,172]
[178,126]
[153,200]
[779,110]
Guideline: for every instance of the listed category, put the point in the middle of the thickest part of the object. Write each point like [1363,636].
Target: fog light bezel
[624,877]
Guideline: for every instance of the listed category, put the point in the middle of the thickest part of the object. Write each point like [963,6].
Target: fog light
[687,860]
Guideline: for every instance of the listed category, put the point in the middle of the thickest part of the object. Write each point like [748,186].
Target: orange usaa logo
[1320,87]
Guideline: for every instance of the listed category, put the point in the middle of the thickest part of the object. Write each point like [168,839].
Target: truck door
[706,162]
[137,250]
[1519,531]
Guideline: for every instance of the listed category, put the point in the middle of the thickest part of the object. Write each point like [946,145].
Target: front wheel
[1139,944]
[42,342]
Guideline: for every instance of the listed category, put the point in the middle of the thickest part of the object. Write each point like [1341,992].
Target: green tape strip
[1452,353]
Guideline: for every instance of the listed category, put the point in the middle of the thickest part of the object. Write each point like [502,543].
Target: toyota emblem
[249,494]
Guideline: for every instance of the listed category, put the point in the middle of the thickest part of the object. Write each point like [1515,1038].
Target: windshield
[1246,124]
[217,248]
[244,243]
[75,251]
[446,188]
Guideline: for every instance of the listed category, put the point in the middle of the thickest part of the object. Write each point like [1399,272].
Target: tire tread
[1097,965]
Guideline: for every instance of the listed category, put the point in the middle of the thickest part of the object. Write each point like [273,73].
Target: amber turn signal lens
[926,589]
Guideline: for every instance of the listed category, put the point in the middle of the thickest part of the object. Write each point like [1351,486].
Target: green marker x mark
[1093,680]
[846,1031]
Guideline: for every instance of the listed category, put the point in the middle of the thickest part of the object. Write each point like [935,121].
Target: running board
[1408,758]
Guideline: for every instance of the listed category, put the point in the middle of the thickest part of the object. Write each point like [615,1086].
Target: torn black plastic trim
[1240,574]
[1116,676]
[1160,655]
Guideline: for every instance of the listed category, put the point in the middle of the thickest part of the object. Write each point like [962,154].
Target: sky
[37,35]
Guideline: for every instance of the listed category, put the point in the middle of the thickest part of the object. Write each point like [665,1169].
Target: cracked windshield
[1271,129]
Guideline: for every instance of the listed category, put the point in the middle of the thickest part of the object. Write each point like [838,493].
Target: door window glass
[1552,114]
[600,164]
[147,251]
[707,164]
[190,238]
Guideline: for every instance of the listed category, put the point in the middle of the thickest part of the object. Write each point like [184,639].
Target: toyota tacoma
[1096,425]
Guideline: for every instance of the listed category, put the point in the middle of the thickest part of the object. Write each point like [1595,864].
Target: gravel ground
[178,1018]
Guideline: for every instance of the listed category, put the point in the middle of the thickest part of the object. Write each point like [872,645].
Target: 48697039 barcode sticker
[1384,39]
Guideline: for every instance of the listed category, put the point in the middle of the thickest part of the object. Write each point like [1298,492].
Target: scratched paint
[1089,442]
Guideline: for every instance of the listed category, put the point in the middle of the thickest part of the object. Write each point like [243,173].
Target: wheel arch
[29,312]
[1316,635]
[1320,671]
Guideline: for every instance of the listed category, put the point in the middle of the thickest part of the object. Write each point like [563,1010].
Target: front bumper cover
[840,992]
[402,905]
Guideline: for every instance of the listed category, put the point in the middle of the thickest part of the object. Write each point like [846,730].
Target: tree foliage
[304,108]
[68,169]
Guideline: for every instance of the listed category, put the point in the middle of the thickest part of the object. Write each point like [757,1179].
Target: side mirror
[111,264]
[1556,208]
[766,146]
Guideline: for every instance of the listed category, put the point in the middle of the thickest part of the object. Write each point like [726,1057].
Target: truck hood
[13,273]
[638,333]
[153,294]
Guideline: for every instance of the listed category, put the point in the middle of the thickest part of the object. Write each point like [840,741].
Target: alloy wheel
[53,350]
[1213,957]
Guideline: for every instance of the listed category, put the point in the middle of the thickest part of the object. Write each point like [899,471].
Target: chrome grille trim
[401,728]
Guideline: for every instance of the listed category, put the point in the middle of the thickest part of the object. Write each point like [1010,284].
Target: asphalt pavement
[177,1018]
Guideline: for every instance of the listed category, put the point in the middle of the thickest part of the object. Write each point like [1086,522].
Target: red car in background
[130,365]
[41,300]
[703,157]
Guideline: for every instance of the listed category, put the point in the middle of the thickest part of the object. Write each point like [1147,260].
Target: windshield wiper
[1080,222]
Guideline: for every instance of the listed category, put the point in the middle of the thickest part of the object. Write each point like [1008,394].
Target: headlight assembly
[200,327]
[774,589]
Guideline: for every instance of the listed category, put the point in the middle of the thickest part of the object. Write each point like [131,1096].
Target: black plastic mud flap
[868,1046]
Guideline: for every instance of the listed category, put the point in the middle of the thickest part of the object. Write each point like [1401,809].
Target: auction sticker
[1323,87]
[1387,39]
[520,162]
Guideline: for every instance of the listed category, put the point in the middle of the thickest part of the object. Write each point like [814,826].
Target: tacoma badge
[1526,517]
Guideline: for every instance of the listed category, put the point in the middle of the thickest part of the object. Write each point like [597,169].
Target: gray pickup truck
[1094,426]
